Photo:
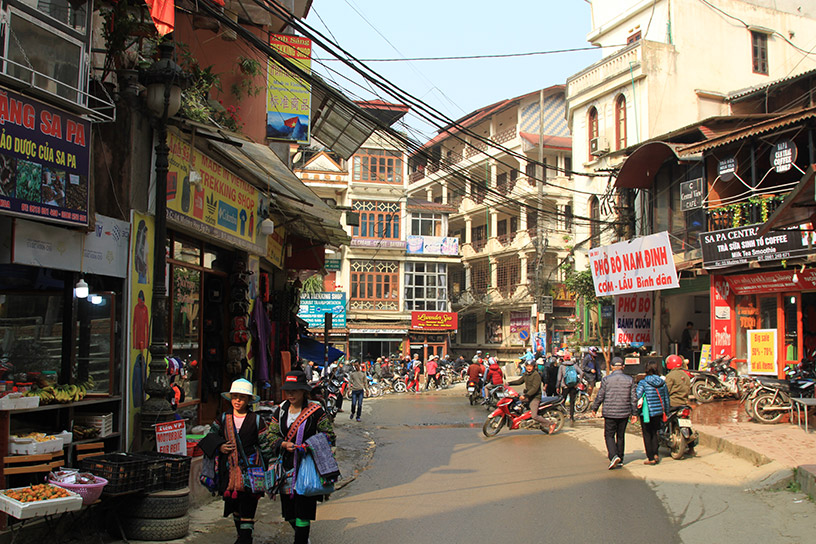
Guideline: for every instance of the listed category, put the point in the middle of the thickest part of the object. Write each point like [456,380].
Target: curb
[805,476]
[722,445]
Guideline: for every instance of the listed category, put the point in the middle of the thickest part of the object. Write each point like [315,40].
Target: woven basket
[90,493]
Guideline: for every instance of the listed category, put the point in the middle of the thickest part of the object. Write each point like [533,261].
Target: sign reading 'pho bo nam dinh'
[639,265]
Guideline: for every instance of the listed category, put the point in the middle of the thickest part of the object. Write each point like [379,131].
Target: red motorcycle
[511,411]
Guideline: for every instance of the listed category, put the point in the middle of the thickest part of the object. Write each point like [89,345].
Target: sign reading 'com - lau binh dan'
[635,266]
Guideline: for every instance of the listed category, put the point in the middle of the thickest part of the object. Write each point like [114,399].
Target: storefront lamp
[81,289]
[95,299]
[267,226]
[163,81]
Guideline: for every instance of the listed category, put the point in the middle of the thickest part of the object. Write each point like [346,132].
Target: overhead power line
[476,57]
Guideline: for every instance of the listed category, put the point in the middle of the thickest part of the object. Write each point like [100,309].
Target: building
[507,170]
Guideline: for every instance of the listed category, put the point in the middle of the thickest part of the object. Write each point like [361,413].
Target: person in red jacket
[495,375]
[413,378]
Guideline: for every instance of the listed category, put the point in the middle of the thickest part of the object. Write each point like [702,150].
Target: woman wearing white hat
[235,430]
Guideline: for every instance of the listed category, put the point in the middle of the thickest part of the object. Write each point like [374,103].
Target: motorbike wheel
[763,415]
[399,386]
[748,405]
[375,390]
[556,415]
[702,392]
[445,382]
[331,408]
[493,425]
[472,398]
[581,402]
[347,394]
[678,449]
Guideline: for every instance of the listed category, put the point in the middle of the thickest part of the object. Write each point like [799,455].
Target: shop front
[430,333]
[369,340]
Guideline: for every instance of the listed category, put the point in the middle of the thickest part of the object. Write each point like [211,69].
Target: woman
[296,420]
[235,430]
[652,391]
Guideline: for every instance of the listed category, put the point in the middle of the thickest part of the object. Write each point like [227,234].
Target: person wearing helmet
[477,356]
[678,382]
[494,376]
[532,395]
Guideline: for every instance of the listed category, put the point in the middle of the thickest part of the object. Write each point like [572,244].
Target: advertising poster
[519,321]
[762,351]
[705,356]
[274,246]
[634,266]
[289,98]
[171,437]
[722,324]
[138,317]
[313,306]
[44,161]
[633,319]
[433,245]
[219,204]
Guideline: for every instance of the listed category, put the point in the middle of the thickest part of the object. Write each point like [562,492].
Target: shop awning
[639,168]
[339,124]
[797,208]
[312,350]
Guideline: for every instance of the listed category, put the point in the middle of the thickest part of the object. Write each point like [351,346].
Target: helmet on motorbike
[674,361]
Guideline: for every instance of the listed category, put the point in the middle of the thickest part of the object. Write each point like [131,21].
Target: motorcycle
[493,394]
[512,412]
[770,406]
[582,401]
[676,433]
[473,389]
[721,381]
[327,392]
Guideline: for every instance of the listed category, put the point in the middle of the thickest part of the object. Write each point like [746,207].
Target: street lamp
[164,80]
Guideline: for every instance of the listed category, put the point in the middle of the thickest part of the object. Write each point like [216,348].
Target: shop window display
[753,312]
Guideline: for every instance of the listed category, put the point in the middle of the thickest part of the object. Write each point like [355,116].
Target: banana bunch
[60,393]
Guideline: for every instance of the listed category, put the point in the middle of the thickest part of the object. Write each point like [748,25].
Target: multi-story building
[670,66]
[394,272]
[506,169]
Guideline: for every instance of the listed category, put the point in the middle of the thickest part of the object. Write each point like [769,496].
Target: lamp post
[163,81]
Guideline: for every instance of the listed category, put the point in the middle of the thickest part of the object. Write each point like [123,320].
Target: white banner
[633,319]
[639,265]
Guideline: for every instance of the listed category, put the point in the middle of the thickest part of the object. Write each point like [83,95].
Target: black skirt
[298,506]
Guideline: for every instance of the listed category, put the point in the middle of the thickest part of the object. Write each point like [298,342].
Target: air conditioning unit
[598,146]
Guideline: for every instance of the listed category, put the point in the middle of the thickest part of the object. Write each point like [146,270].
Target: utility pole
[539,290]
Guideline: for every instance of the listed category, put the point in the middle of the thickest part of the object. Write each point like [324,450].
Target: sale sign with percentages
[762,351]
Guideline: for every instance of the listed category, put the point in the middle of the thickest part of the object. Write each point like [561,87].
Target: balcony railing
[416,176]
[505,135]
[505,239]
[618,63]
[745,213]
[507,187]
[479,245]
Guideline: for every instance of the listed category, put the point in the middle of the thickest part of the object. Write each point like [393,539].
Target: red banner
[722,308]
[435,321]
[773,282]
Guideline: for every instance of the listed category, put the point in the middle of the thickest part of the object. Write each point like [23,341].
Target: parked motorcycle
[771,405]
[721,381]
[676,433]
[512,412]
[327,391]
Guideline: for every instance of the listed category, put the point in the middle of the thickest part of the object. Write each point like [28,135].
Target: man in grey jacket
[617,394]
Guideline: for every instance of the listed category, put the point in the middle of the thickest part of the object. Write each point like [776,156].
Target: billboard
[434,321]
[433,245]
[313,306]
[635,266]
[288,99]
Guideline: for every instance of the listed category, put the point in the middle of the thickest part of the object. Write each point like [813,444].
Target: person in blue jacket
[652,392]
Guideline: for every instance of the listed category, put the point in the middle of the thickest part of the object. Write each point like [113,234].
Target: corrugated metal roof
[742,93]
[550,142]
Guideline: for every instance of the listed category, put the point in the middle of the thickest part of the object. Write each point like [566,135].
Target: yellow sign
[705,356]
[212,200]
[288,102]
[274,246]
[762,351]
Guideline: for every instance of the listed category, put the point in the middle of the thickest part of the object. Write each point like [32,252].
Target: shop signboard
[275,243]
[540,341]
[722,300]
[432,245]
[44,161]
[634,266]
[434,321]
[333,265]
[783,156]
[762,351]
[741,245]
[171,437]
[519,321]
[633,319]
[691,194]
[207,198]
[377,243]
[705,356]
[727,168]
[546,305]
[773,282]
[288,99]
[313,307]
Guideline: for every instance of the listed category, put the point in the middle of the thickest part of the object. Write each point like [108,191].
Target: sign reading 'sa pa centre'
[742,245]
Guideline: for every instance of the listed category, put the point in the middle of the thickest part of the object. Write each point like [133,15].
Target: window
[380,165]
[594,222]
[634,37]
[568,167]
[620,122]
[508,274]
[565,217]
[592,128]
[530,171]
[374,285]
[478,237]
[478,190]
[426,286]
[759,52]
[377,219]
[467,329]
[427,224]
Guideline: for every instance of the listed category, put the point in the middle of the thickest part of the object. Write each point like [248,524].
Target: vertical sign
[288,102]
[762,351]
[722,300]
[633,319]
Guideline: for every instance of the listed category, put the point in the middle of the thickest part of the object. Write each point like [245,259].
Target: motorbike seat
[767,380]
[550,400]
[674,409]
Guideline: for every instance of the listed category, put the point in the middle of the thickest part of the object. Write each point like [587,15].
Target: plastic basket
[125,472]
[176,468]
[90,493]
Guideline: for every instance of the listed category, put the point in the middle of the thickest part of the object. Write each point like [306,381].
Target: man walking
[569,376]
[617,394]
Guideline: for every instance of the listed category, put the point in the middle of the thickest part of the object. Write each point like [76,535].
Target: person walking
[412,379]
[431,368]
[653,400]
[617,395]
[591,369]
[551,372]
[569,376]
[358,380]
[234,436]
[532,395]
[296,420]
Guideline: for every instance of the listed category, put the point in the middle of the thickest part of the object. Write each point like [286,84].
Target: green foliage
[250,70]
[314,284]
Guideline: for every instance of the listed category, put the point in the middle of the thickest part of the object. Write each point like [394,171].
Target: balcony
[479,245]
[505,239]
[616,64]
[756,210]
[505,135]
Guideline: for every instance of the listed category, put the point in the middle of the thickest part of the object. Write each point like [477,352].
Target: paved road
[435,478]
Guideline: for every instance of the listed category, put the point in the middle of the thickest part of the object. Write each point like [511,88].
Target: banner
[633,319]
[435,321]
[762,351]
[288,102]
[433,245]
[705,356]
[44,161]
[722,248]
[171,437]
[519,321]
[217,203]
[639,265]
[773,282]
[313,306]
[275,243]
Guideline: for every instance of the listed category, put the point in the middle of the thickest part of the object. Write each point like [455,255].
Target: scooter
[473,391]
[512,412]
[676,433]
[719,382]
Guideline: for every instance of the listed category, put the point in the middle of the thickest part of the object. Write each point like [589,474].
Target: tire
[558,416]
[472,398]
[702,392]
[347,394]
[331,408]
[581,402]
[748,406]
[400,387]
[493,425]
[766,416]
[375,390]
[158,507]
[159,530]
[678,450]
[445,382]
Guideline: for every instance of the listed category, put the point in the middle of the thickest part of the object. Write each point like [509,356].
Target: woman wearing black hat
[296,420]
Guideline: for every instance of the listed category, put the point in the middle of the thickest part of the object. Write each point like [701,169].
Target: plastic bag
[308,481]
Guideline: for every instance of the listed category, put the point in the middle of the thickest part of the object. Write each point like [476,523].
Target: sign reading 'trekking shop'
[220,205]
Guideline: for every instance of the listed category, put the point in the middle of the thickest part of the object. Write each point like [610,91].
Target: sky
[370,29]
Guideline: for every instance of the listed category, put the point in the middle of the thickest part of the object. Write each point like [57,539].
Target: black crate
[154,472]
[176,468]
[124,472]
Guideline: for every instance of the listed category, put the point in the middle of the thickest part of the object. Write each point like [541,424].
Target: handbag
[308,482]
[209,473]
[645,409]
[662,406]
[254,474]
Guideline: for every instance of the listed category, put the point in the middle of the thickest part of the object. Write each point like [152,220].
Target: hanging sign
[633,319]
[783,156]
[288,102]
[727,168]
[315,306]
[691,194]
[741,245]
[546,305]
[519,321]
[639,265]
[171,438]
[762,351]
[435,321]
